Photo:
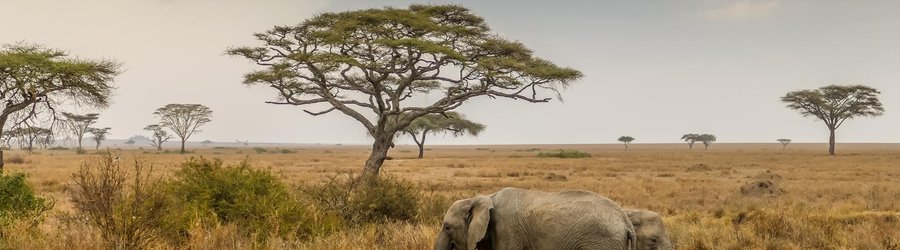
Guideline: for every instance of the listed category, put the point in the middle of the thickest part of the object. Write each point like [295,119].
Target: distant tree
[452,122]
[35,80]
[159,136]
[79,125]
[98,135]
[835,104]
[371,64]
[130,142]
[28,136]
[706,139]
[690,139]
[206,143]
[184,119]
[626,140]
[784,143]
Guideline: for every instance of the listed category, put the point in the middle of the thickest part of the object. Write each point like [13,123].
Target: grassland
[848,201]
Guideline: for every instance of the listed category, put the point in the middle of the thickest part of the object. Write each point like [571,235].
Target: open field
[848,201]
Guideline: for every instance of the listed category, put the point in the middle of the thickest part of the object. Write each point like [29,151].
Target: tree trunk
[1,161]
[379,153]
[831,142]
[182,145]
[626,146]
[422,146]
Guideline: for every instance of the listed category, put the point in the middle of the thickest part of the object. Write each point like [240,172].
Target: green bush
[359,201]
[206,193]
[564,153]
[18,201]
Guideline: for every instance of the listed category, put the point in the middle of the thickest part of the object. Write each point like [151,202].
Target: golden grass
[848,201]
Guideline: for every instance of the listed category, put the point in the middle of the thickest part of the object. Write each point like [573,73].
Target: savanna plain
[732,196]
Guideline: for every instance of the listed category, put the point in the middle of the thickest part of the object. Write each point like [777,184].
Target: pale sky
[653,70]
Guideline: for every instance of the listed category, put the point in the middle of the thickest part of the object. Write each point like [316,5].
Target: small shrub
[288,151]
[205,192]
[127,208]
[19,203]
[564,153]
[80,151]
[58,148]
[260,150]
[359,201]
[15,159]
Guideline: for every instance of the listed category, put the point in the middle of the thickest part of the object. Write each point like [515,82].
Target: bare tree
[79,125]
[158,137]
[28,136]
[98,135]
[452,122]
[183,119]
[375,66]
[835,104]
[784,143]
[626,140]
[35,79]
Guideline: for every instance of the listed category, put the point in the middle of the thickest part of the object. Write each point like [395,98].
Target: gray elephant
[651,233]
[515,218]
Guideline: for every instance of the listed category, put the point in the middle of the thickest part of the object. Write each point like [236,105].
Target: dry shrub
[564,153]
[127,208]
[387,236]
[15,159]
[366,200]
[699,168]
[555,177]
[762,188]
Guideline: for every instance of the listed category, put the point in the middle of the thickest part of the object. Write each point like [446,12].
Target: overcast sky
[653,70]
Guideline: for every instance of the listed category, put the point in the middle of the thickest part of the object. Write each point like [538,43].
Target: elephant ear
[480,214]
[635,216]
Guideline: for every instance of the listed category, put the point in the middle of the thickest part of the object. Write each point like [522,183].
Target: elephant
[651,232]
[514,218]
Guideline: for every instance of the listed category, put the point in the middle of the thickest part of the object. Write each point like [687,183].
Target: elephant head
[465,224]
[651,233]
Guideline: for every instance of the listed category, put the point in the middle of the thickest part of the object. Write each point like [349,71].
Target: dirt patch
[699,168]
[555,177]
[762,188]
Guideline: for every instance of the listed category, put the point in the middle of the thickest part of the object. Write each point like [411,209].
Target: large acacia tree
[386,67]
[452,122]
[183,119]
[835,104]
[35,79]
[79,125]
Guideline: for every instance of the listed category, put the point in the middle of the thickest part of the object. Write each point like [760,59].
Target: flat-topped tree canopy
[369,65]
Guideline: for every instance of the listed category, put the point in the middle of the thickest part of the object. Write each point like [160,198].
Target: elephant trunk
[443,241]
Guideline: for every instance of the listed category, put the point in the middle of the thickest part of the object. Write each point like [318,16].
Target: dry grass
[849,201]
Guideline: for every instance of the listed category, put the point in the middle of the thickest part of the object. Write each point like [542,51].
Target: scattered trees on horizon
[79,125]
[183,119]
[835,104]
[706,139]
[36,81]
[784,143]
[452,122]
[626,140]
[98,135]
[350,63]
[690,139]
[158,137]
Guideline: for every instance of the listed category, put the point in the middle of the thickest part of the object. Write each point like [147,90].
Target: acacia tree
[706,139]
[452,122]
[690,139]
[378,65]
[835,104]
[28,136]
[158,137]
[98,135]
[79,125]
[183,119]
[626,140]
[34,79]
[784,143]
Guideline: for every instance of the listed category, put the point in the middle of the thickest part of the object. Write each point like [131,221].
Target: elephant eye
[653,240]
